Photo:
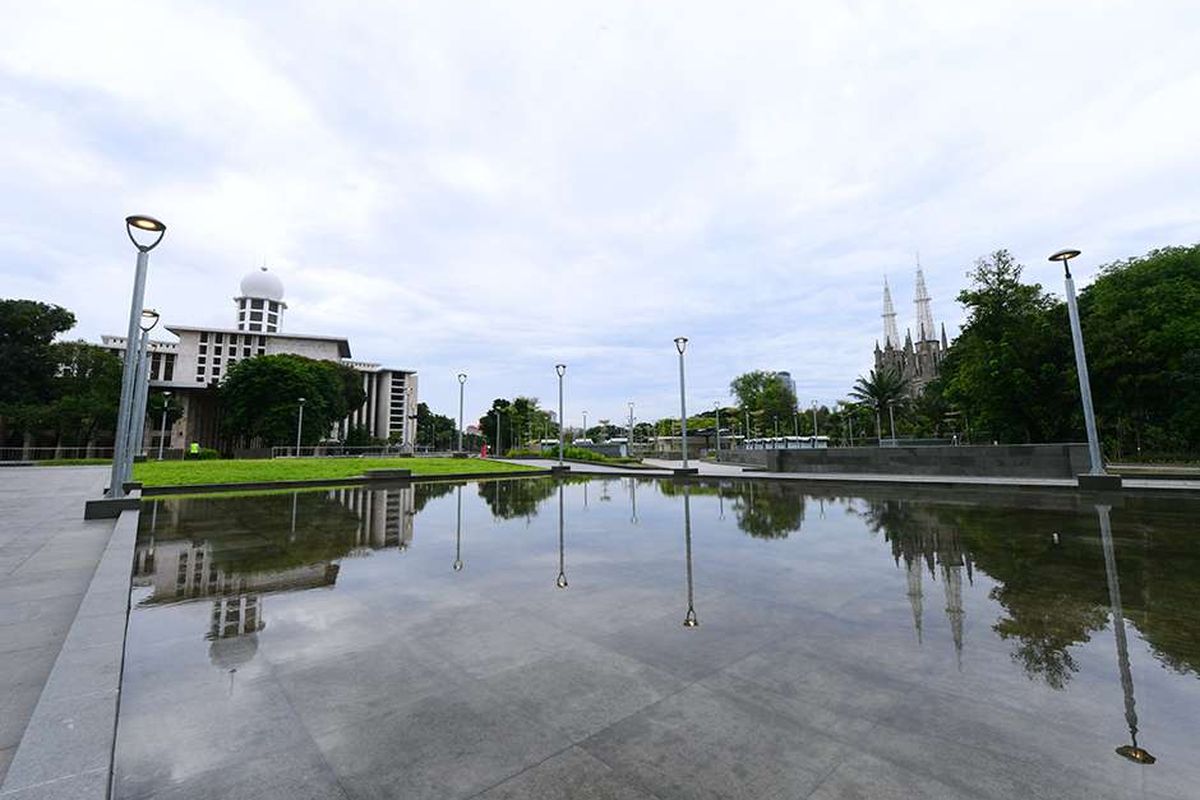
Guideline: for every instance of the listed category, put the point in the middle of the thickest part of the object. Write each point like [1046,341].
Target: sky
[492,188]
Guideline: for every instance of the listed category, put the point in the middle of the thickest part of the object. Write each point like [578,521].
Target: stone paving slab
[66,748]
[48,556]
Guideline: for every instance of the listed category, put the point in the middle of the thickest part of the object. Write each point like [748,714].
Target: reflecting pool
[643,638]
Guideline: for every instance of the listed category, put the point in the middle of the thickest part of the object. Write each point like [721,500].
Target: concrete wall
[1008,461]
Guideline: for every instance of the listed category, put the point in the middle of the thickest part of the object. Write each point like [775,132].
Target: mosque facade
[192,368]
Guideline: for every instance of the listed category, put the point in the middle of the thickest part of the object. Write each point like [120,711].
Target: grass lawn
[189,473]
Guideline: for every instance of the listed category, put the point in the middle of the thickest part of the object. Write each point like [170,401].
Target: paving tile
[67,737]
[298,773]
[90,785]
[570,775]
[700,743]
[451,745]
[864,777]
[48,631]
[582,689]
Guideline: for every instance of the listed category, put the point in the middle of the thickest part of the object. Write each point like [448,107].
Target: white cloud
[497,187]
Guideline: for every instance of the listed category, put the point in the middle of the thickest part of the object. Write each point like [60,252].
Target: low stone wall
[995,461]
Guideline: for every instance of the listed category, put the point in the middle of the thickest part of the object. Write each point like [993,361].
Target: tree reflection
[509,499]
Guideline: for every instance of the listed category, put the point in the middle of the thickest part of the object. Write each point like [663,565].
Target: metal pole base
[1099,483]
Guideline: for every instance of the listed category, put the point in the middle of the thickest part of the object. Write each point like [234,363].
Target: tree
[1011,367]
[765,396]
[27,364]
[260,398]
[1141,324]
[87,392]
[434,430]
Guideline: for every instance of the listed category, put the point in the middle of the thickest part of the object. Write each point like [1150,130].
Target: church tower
[919,360]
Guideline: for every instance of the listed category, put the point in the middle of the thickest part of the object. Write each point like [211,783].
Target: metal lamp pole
[162,434]
[892,420]
[299,424]
[814,410]
[585,425]
[1085,388]
[141,391]
[681,346]
[116,488]
[561,369]
[717,406]
[462,379]
[629,444]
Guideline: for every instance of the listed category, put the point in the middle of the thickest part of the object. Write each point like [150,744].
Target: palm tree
[880,388]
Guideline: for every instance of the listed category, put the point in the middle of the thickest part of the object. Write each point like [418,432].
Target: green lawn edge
[192,473]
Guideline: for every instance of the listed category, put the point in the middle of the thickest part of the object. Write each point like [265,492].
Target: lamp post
[629,444]
[814,410]
[561,581]
[560,369]
[796,423]
[878,426]
[299,424]
[585,425]
[892,420]
[141,390]
[1085,388]
[462,379]
[689,618]
[717,407]
[162,434]
[145,224]
[1130,751]
[681,346]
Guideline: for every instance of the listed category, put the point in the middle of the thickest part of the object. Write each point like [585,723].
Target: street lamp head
[166,394]
[1064,255]
[561,369]
[141,222]
[301,400]
[681,344]
[462,377]
[149,319]
[1135,754]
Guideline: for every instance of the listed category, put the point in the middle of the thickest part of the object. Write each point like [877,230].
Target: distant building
[918,361]
[192,368]
[788,381]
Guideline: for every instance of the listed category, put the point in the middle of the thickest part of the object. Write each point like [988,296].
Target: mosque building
[193,367]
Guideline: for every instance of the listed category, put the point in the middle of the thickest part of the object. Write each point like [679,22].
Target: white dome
[262,284]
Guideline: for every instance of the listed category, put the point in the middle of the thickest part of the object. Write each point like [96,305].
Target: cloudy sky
[494,187]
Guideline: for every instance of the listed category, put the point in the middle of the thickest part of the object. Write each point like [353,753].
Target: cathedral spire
[945,344]
[891,338]
[923,301]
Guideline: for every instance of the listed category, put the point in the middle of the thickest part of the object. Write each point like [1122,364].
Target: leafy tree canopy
[766,397]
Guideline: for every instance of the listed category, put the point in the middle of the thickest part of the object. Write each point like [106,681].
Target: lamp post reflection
[458,563]
[689,619]
[1130,751]
[562,568]
[633,499]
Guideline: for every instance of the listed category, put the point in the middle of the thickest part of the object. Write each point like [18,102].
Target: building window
[241,316]
[262,350]
[256,316]
[216,371]
[204,336]
[254,326]
[274,307]
[245,352]
[262,341]
[220,338]
[256,303]
[203,349]
[216,360]
[169,368]
[199,379]
[202,360]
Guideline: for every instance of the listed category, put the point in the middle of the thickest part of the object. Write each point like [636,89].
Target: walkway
[47,557]
[663,467]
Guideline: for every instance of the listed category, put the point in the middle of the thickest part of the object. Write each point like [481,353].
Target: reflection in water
[562,569]
[633,500]
[1130,751]
[458,562]
[689,619]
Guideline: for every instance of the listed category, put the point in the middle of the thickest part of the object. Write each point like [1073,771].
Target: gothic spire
[891,338]
[923,301]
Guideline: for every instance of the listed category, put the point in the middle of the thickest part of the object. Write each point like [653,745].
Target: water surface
[645,638]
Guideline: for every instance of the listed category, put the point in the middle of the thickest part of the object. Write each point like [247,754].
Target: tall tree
[1011,367]
[766,397]
[27,364]
[260,397]
[87,391]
